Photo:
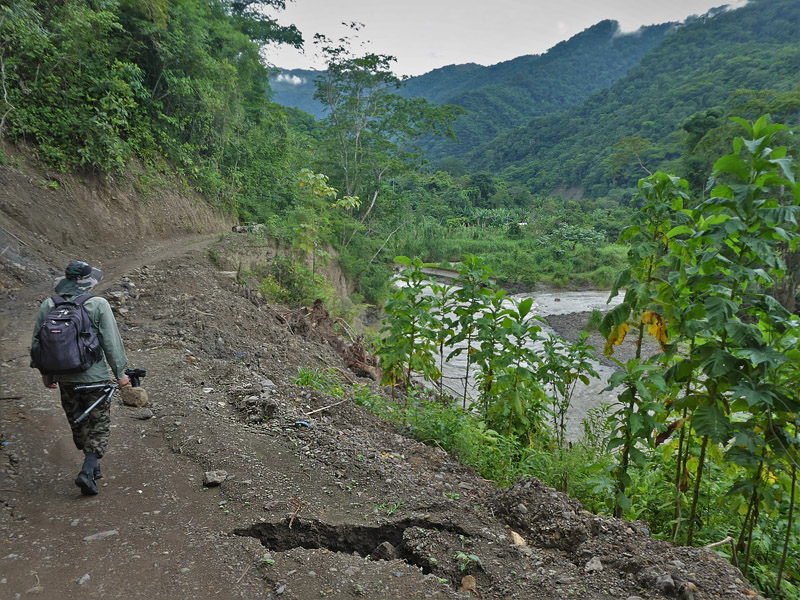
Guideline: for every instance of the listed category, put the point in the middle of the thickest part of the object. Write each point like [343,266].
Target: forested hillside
[158,86]
[509,93]
[599,144]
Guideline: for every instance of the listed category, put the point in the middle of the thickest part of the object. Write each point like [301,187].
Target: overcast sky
[426,34]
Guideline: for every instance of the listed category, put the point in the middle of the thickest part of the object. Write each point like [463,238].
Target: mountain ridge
[694,69]
[507,93]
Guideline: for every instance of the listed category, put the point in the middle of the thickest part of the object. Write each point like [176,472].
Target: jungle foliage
[703,442]
[176,84]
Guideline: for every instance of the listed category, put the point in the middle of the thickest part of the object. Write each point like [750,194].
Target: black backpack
[65,343]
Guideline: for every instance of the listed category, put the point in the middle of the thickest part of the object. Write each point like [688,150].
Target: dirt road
[131,540]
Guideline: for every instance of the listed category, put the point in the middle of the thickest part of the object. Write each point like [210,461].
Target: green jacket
[105,327]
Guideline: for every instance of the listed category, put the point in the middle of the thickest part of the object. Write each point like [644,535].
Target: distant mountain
[694,68]
[295,88]
[510,93]
[442,84]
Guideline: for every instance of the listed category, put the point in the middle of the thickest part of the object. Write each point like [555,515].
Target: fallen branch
[346,328]
[727,540]
[12,235]
[386,241]
[345,375]
[243,574]
[5,95]
[325,408]
[720,543]
[298,506]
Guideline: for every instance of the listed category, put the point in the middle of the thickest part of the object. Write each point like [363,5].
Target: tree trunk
[696,492]
[788,534]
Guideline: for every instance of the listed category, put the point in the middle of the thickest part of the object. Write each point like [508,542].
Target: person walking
[107,352]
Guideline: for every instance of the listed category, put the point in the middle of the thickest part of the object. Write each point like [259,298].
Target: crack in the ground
[367,541]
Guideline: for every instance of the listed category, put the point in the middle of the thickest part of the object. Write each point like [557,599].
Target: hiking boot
[88,474]
[97,473]
[86,483]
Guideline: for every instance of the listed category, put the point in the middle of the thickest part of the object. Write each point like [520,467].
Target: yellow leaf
[656,326]
[616,338]
[647,317]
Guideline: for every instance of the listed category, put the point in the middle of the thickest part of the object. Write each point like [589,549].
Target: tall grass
[527,261]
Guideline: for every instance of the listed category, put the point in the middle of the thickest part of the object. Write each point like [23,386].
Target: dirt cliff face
[315,497]
[47,217]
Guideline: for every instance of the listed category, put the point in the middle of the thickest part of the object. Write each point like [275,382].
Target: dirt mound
[315,498]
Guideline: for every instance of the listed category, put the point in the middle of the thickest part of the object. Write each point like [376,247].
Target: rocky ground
[236,483]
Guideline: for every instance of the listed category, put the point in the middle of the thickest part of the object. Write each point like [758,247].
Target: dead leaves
[616,337]
[469,584]
[664,435]
[656,327]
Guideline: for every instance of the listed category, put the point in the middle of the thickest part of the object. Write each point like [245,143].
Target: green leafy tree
[738,233]
[315,217]
[408,344]
[252,18]
[443,306]
[370,131]
[519,402]
[641,309]
[563,366]
[628,150]
[490,335]
[473,276]
[706,270]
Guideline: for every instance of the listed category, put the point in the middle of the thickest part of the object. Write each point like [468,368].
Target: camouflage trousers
[91,434]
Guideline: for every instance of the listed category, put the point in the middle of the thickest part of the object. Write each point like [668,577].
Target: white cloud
[290,79]
[635,32]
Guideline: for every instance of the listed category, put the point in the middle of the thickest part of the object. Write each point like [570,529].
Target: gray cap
[79,278]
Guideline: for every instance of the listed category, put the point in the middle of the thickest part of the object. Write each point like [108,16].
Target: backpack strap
[57,300]
[81,299]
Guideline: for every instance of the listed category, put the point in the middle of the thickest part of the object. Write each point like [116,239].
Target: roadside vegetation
[703,442]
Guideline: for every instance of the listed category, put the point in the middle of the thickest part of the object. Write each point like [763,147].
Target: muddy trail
[314,497]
